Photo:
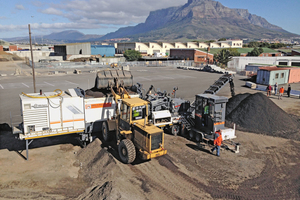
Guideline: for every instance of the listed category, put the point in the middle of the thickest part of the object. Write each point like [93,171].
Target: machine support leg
[27,149]
[27,146]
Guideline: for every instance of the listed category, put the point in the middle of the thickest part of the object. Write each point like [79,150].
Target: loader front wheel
[127,151]
[105,132]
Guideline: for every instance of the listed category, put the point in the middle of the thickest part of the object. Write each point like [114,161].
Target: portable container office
[294,76]
[272,75]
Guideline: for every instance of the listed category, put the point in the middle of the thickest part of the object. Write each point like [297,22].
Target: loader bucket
[107,78]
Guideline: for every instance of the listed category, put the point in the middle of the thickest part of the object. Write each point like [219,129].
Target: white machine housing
[228,133]
[64,114]
[162,117]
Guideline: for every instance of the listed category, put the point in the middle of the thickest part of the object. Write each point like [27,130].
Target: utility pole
[32,63]
[207,55]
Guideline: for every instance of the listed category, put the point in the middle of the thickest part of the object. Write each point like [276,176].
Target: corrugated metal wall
[263,77]
[79,49]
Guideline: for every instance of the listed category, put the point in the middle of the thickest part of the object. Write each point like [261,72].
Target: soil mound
[257,113]
[108,177]
[4,56]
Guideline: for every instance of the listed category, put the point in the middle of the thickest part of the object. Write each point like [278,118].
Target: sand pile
[4,56]
[108,177]
[257,113]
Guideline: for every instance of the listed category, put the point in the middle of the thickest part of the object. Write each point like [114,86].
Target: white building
[164,47]
[239,63]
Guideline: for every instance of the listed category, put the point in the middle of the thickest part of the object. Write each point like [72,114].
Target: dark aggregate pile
[5,127]
[257,113]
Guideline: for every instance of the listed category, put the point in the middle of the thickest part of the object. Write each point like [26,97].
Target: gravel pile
[257,113]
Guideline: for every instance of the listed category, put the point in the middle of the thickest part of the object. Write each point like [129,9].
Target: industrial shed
[68,50]
[272,75]
[192,54]
[103,50]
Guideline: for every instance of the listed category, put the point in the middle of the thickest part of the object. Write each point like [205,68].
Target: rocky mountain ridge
[204,19]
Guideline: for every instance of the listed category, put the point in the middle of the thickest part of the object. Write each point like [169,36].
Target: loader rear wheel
[175,130]
[105,132]
[127,151]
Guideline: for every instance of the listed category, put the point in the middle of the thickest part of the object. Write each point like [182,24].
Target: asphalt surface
[189,83]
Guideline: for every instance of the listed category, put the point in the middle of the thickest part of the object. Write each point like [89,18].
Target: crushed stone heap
[257,113]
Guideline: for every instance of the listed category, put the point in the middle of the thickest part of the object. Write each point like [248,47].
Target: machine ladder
[188,122]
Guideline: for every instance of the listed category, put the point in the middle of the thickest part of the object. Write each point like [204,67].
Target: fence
[94,64]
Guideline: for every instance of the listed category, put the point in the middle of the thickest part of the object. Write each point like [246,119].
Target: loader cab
[147,138]
[210,112]
[134,110]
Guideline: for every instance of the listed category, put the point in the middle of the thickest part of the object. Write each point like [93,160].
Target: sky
[101,17]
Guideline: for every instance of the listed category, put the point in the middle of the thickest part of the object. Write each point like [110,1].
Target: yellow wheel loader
[130,127]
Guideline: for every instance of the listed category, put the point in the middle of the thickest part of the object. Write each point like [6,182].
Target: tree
[222,39]
[256,52]
[210,41]
[223,57]
[260,50]
[233,52]
[132,55]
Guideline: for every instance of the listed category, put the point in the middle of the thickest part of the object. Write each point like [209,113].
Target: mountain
[58,38]
[65,35]
[201,19]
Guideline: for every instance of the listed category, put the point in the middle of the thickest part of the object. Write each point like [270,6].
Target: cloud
[109,12]
[2,17]
[19,7]
[37,3]
[100,15]
[46,26]
[52,11]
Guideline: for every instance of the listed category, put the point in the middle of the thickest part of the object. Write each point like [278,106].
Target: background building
[151,48]
[192,54]
[76,49]
[103,50]
[272,75]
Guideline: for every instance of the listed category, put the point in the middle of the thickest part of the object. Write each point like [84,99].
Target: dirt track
[266,168]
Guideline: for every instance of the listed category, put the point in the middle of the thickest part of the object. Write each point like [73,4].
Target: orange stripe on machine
[219,123]
[97,105]
[198,115]
[66,121]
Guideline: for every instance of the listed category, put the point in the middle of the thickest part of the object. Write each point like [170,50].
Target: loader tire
[127,151]
[105,133]
[175,130]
